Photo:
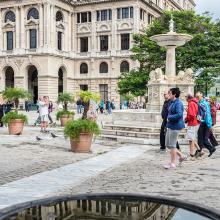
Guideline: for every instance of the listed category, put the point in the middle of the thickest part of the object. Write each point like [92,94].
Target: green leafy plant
[86,96]
[12,116]
[65,98]
[62,113]
[14,94]
[74,128]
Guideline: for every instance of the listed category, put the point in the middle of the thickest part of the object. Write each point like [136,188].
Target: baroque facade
[51,46]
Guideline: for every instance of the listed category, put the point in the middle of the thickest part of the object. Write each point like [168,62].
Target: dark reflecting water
[104,209]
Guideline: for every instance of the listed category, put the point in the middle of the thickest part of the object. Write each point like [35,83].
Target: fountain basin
[171,39]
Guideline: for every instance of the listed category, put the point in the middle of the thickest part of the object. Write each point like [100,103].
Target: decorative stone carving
[157,76]
[186,77]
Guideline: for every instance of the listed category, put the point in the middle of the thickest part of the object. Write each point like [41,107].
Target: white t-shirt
[43,108]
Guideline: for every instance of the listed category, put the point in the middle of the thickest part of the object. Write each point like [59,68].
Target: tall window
[104,43]
[150,18]
[124,67]
[84,17]
[33,38]
[33,12]
[142,14]
[10,16]
[123,13]
[59,40]
[84,44]
[125,41]
[103,89]
[83,68]
[103,67]
[10,39]
[59,16]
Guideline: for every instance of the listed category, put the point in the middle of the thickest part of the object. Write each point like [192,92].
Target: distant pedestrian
[174,125]
[79,106]
[43,111]
[2,106]
[108,107]
[26,105]
[102,106]
[50,110]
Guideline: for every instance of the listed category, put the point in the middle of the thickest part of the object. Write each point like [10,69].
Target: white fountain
[160,82]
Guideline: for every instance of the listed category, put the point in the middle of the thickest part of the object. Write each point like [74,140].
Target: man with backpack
[192,122]
[204,116]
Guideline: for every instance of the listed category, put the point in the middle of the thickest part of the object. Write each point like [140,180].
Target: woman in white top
[43,111]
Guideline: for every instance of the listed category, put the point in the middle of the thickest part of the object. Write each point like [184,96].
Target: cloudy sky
[212,6]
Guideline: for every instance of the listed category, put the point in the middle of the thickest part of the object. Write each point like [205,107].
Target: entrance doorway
[9,77]
[33,82]
[60,81]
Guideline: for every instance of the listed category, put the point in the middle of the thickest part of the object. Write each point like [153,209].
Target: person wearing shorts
[175,124]
[193,123]
[43,112]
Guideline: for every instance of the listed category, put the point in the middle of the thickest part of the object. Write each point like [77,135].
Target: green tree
[202,54]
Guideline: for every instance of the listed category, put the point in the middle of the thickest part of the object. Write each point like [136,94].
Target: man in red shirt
[192,122]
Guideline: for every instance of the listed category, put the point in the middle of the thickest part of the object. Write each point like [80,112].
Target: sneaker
[211,152]
[170,166]
[181,159]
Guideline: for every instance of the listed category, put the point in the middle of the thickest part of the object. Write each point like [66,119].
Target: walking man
[175,124]
[204,116]
[43,111]
[192,122]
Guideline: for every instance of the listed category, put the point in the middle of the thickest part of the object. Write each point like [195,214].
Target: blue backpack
[202,112]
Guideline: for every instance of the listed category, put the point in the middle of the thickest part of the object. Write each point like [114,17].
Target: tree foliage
[202,54]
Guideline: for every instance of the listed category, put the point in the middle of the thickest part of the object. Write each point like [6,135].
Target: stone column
[93,35]
[22,33]
[46,24]
[53,33]
[1,34]
[114,32]
[41,26]
[171,62]
[70,32]
[17,44]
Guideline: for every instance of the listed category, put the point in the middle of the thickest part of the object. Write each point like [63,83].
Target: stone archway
[62,80]
[33,82]
[9,77]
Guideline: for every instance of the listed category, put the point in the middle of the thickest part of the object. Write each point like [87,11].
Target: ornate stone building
[50,46]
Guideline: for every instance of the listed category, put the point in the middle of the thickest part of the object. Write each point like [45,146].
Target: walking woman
[174,125]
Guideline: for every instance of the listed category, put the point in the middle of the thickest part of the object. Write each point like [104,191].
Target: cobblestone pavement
[195,181]
[22,156]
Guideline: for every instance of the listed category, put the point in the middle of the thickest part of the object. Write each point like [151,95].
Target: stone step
[105,138]
[135,134]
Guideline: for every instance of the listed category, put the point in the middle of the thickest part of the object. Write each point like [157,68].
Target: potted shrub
[81,133]
[65,115]
[82,130]
[15,120]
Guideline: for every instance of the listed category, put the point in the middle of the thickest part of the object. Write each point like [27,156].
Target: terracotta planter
[64,119]
[83,145]
[15,127]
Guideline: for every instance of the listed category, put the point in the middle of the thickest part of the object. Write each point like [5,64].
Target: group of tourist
[200,119]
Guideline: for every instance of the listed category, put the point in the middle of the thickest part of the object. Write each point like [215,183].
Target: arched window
[59,16]
[83,68]
[124,67]
[10,16]
[103,67]
[33,12]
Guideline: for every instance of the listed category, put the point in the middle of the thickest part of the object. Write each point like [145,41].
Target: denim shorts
[171,138]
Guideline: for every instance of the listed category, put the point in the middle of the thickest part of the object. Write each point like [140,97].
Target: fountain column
[171,62]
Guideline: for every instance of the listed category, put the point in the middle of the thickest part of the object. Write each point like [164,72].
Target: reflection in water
[104,209]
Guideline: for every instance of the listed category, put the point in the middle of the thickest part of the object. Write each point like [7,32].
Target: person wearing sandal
[175,124]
